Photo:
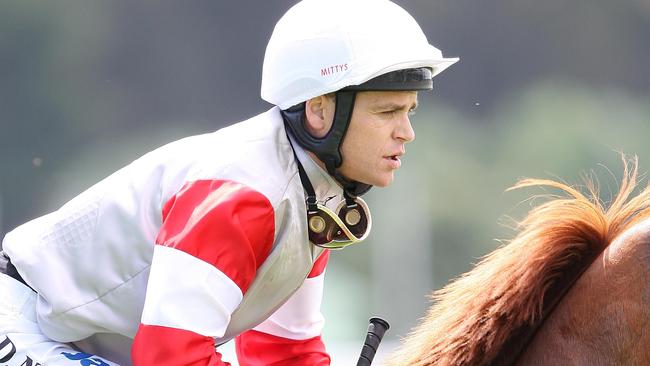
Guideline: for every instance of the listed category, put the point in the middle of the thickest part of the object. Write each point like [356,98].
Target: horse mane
[475,316]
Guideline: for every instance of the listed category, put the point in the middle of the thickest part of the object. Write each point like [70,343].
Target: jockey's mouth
[395,156]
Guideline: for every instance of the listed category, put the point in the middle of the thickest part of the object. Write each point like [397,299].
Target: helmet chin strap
[328,148]
[351,189]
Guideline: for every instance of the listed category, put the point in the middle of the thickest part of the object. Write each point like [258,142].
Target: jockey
[226,235]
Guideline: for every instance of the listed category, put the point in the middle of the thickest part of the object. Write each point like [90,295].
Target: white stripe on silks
[300,317]
[185,292]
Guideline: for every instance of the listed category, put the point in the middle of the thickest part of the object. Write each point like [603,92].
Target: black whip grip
[376,330]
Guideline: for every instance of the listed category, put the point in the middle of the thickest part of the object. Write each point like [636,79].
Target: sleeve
[213,237]
[292,335]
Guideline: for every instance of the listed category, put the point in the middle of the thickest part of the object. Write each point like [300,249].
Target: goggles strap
[306,183]
[350,200]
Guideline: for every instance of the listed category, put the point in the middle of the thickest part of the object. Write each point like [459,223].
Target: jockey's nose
[404,130]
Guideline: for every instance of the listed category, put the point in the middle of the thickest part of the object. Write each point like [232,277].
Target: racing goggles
[350,223]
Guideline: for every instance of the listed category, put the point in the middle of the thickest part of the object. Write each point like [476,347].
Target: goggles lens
[349,225]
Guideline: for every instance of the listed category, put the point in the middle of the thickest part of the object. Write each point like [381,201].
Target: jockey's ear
[319,112]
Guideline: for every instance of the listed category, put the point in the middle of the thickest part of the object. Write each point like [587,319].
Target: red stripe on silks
[162,346]
[257,348]
[224,223]
[320,264]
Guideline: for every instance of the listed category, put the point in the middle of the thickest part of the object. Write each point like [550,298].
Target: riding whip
[376,330]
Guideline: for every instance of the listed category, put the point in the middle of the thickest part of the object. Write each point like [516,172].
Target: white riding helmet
[319,47]
[343,46]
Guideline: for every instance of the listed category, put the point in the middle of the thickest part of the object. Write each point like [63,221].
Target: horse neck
[522,336]
[605,318]
[475,316]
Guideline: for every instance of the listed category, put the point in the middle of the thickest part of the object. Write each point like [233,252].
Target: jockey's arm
[213,237]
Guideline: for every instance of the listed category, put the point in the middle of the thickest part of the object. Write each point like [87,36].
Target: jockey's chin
[376,177]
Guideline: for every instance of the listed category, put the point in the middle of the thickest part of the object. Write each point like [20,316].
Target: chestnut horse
[572,288]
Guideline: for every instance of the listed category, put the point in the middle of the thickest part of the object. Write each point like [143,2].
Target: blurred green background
[550,89]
